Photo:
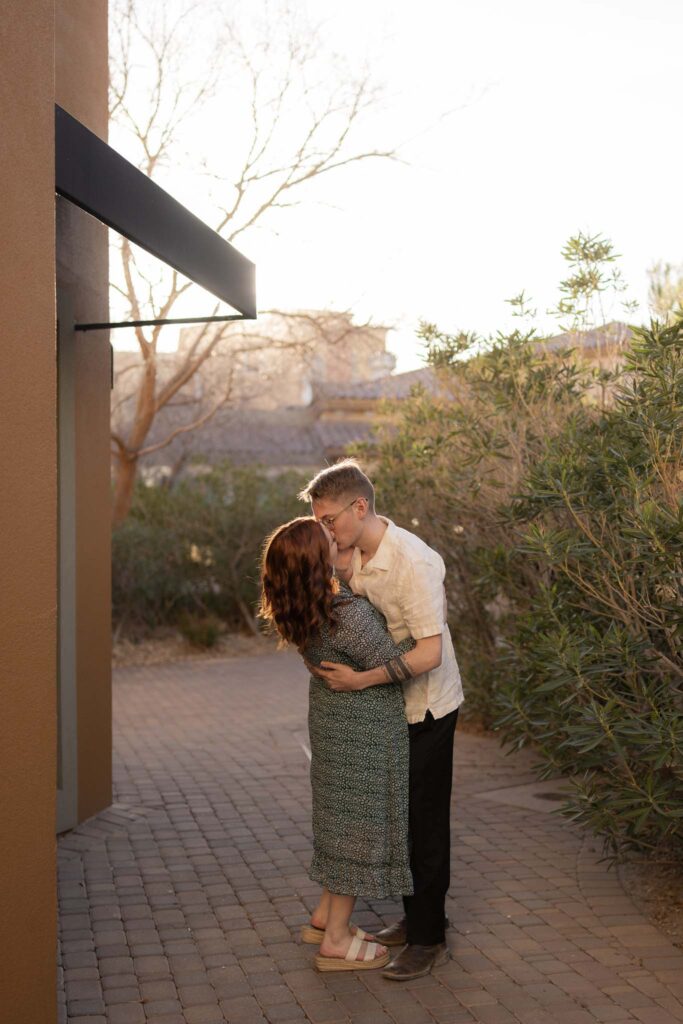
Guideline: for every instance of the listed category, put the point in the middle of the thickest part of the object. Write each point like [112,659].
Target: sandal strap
[370,951]
[352,952]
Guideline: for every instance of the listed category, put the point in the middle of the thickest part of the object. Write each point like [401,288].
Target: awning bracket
[160,323]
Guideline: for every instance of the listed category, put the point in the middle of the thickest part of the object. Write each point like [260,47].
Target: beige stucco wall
[27,516]
[82,269]
[81,61]
[28,469]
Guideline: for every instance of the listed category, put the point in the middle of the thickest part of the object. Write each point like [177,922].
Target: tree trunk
[124,482]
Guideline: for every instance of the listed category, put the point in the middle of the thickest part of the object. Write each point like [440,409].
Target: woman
[359,741]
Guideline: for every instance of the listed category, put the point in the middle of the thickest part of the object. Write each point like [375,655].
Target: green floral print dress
[359,761]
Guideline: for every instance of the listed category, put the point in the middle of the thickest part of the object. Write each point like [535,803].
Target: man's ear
[362,506]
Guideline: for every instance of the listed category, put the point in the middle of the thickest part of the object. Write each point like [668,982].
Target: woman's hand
[342,564]
[337,677]
[340,678]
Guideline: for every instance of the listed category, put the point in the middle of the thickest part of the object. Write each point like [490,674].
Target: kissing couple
[363,602]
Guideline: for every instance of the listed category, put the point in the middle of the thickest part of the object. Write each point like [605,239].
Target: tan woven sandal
[370,962]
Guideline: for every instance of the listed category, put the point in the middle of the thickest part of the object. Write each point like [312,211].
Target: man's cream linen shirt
[404,579]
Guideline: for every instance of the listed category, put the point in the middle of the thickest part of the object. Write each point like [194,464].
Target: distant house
[306,386]
[301,437]
[348,414]
[603,345]
[278,361]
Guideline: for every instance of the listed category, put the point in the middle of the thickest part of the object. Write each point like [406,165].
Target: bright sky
[565,116]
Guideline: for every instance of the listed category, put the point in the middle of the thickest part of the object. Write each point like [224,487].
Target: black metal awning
[93,176]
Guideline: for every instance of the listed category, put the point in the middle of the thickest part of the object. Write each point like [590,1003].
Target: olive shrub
[554,495]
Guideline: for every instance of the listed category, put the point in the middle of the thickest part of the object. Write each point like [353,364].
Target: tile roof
[339,433]
[397,385]
[614,333]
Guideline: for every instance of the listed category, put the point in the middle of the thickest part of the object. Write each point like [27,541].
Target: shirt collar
[382,557]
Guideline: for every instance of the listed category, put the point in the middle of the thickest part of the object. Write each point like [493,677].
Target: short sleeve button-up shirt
[404,579]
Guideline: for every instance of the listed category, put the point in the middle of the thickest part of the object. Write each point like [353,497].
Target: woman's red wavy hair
[298,585]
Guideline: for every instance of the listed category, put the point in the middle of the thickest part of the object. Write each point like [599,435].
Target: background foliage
[553,491]
[188,554]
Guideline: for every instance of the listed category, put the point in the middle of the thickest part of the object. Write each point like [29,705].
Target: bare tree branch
[302,114]
[187,427]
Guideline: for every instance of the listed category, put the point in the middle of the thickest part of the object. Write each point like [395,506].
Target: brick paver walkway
[182,903]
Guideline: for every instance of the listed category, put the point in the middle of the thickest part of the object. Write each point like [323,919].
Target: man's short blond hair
[344,480]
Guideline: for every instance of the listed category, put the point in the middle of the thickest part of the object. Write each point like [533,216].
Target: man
[403,577]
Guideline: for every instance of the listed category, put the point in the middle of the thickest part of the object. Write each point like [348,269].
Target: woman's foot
[340,949]
[317,926]
[351,954]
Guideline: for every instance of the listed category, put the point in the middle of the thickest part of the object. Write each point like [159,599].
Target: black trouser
[431,773]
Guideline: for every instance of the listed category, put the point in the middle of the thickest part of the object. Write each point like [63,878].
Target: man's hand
[340,678]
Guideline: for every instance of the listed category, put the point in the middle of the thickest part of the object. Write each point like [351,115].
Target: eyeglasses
[329,521]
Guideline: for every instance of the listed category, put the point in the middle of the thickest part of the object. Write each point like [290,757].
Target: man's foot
[416,961]
[394,934]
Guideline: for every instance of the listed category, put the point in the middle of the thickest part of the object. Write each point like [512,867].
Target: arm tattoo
[398,670]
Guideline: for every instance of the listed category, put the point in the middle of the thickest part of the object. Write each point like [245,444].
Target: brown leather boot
[394,934]
[415,961]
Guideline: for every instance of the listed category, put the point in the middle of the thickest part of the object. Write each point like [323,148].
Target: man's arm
[425,656]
